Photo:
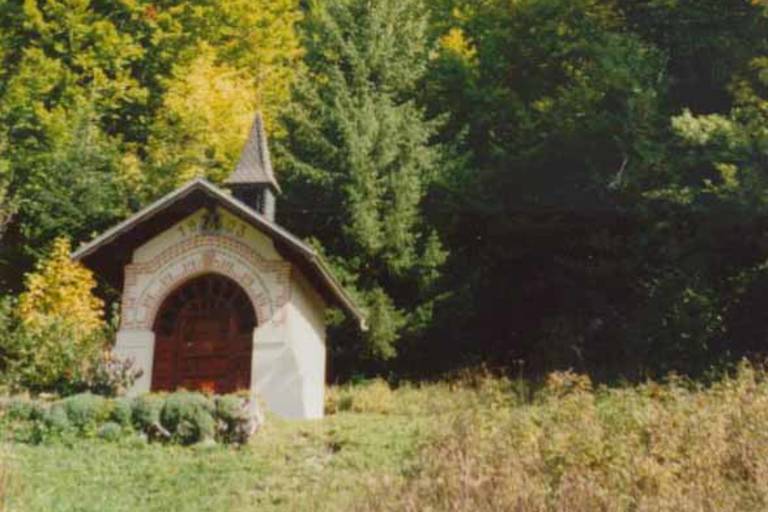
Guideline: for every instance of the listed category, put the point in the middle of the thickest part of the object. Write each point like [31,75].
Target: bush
[86,411]
[49,359]
[182,417]
[55,358]
[22,409]
[110,431]
[146,411]
[238,418]
[189,417]
[374,396]
[55,419]
[110,375]
[122,412]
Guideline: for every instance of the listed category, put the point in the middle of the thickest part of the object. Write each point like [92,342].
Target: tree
[54,338]
[7,202]
[200,129]
[104,106]
[61,291]
[359,159]
[557,107]
[223,60]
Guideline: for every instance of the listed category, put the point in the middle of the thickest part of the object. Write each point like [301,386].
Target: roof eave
[112,233]
[341,296]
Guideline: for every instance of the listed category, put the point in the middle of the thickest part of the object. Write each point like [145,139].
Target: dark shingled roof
[255,166]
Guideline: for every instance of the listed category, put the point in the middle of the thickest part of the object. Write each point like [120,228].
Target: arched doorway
[203,337]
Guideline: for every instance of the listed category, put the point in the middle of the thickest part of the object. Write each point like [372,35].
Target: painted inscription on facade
[267,282]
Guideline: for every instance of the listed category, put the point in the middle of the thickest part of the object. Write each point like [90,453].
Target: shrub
[22,409]
[146,411]
[122,412]
[53,338]
[86,411]
[374,396]
[110,431]
[188,417]
[60,290]
[55,418]
[238,418]
[181,417]
[110,375]
[48,359]
[56,331]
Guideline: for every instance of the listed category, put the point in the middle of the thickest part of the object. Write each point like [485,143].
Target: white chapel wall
[306,325]
[288,366]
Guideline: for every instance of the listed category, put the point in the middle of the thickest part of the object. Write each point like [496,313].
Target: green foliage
[122,412]
[595,222]
[318,465]
[49,359]
[460,445]
[103,106]
[146,411]
[189,417]
[235,418]
[56,420]
[375,397]
[86,411]
[23,409]
[110,431]
[567,183]
[359,150]
[179,418]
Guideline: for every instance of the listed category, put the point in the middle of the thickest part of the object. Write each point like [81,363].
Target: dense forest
[527,184]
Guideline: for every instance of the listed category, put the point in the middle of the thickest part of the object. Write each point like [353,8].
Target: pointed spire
[255,166]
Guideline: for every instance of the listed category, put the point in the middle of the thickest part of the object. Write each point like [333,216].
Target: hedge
[182,418]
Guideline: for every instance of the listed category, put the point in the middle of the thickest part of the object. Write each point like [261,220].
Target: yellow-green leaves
[206,113]
[59,291]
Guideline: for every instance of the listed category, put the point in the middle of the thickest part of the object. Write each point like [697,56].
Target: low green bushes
[181,418]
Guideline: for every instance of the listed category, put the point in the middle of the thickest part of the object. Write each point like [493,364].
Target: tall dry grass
[671,447]
[5,478]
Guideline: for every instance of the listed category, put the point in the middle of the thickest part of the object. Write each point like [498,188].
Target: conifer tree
[360,160]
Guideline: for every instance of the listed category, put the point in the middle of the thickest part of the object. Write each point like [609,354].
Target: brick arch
[258,305]
[147,284]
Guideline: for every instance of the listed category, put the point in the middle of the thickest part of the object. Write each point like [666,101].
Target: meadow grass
[312,465]
[674,447]
[471,445]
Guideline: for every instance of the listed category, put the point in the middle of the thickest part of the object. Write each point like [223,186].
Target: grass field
[314,465]
[468,447]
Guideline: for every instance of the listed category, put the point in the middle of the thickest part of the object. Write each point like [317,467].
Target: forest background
[525,184]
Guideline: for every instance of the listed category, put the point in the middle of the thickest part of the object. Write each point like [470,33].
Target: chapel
[218,297]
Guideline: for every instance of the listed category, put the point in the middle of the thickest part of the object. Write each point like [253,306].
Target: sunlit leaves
[60,291]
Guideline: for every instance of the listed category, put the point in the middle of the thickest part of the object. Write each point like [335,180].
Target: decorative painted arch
[147,284]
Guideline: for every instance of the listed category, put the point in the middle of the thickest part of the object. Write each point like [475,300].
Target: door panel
[204,338]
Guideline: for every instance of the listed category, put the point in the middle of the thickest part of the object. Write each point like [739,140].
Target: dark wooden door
[204,337]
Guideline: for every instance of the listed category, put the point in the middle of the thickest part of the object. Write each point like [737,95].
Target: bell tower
[253,180]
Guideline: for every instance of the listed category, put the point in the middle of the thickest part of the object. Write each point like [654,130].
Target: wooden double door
[204,337]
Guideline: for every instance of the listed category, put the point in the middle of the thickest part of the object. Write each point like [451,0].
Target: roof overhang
[108,253]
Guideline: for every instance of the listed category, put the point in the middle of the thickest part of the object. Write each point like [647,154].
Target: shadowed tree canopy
[562,183]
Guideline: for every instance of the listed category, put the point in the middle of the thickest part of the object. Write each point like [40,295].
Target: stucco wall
[306,330]
[288,353]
